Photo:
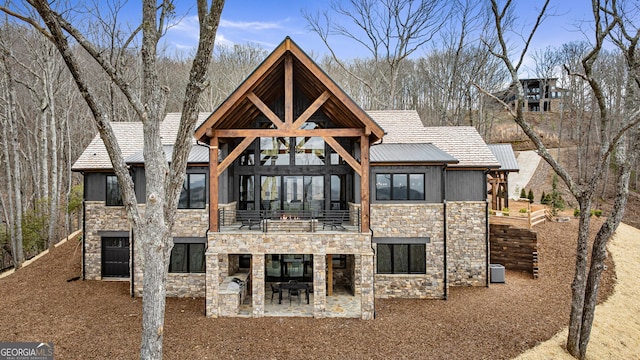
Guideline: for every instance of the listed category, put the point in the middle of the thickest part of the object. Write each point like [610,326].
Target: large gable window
[114,196]
[401,259]
[400,187]
[193,195]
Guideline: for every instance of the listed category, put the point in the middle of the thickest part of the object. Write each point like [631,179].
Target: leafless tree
[619,139]
[389,30]
[152,228]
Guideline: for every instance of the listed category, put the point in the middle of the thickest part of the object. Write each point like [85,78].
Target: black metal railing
[289,220]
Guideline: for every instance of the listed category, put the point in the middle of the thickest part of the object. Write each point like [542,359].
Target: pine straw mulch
[98,319]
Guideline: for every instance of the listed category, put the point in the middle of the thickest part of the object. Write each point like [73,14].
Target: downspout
[486,231]
[133,260]
[84,222]
[444,227]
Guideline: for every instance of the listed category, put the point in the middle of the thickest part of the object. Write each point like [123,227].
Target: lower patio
[342,304]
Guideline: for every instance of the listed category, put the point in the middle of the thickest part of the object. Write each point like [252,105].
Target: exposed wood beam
[265,110]
[311,109]
[364,183]
[234,154]
[213,184]
[337,92]
[345,155]
[288,91]
[226,133]
[248,84]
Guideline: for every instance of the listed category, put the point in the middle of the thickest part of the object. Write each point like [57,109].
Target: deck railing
[289,220]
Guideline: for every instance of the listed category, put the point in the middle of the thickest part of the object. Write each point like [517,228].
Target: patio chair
[294,292]
[275,290]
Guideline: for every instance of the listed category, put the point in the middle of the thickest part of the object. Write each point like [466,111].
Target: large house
[540,95]
[293,190]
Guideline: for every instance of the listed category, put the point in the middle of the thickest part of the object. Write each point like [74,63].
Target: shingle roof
[464,143]
[130,139]
[197,155]
[505,156]
[400,126]
[420,153]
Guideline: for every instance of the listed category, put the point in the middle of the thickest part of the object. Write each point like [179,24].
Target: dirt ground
[94,319]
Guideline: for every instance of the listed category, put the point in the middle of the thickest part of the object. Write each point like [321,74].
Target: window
[399,186]
[339,261]
[401,259]
[193,195]
[114,197]
[187,258]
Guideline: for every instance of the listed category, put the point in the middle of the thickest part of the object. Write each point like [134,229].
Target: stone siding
[99,217]
[467,243]
[188,223]
[411,220]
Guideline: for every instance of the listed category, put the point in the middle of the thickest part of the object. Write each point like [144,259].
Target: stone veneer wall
[99,217]
[411,220]
[467,243]
[189,223]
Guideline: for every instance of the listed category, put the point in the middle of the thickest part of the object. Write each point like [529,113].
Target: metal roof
[419,153]
[197,155]
[505,155]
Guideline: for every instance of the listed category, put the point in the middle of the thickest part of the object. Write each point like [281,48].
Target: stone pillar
[319,285]
[367,290]
[212,284]
[257,284]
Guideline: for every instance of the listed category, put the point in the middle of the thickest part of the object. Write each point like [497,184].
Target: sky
[267,23]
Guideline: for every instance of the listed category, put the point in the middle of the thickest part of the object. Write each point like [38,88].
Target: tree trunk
[13,171]
[579,280]
[53,202]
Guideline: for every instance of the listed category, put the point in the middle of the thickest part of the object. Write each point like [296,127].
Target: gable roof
[505,156]
[130,138]
[197,155]
[418,153]
[267,83]
[400,126]
[464,143]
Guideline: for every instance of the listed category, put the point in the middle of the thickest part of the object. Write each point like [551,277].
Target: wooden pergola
[286,68]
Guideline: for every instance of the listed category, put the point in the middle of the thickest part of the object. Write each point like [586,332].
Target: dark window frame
[407,196]
[108,200]
[186,185]
[392,247]
[188,264]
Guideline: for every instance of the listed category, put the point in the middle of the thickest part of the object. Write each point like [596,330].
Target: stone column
[257,283]
[212,284]
[319,285]
[367,292]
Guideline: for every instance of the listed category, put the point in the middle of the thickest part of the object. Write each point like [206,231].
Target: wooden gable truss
[285,68]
